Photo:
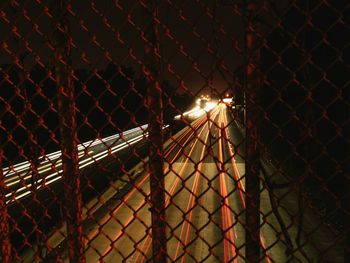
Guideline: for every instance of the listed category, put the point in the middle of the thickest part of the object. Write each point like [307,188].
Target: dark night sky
[110,30]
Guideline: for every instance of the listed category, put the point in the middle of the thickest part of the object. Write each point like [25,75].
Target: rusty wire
[103,160]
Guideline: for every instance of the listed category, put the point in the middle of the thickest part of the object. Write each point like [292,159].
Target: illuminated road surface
[199,186]
[18,178]
[205,206]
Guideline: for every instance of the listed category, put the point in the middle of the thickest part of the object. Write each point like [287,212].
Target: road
[204,203]
[205,218]
[19,177]
[205,207]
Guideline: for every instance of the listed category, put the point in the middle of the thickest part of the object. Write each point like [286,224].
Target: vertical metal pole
[155,133]
[252,179]
[347,223]
[67,124]
[5,252]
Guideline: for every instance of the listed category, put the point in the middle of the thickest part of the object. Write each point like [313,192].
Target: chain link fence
[174,131]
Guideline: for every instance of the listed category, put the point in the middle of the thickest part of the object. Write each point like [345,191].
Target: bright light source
[209,106]
[197,111]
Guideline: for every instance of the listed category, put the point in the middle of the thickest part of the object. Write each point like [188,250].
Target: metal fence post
[155,130]
[5,253]
[347,224]
[68,133]
[252,179]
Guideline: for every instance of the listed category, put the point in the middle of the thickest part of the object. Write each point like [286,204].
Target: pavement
[205,207]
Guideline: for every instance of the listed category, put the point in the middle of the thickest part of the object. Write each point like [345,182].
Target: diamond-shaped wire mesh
[174,131]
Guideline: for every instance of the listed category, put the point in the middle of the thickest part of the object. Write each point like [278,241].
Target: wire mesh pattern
[174,131]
